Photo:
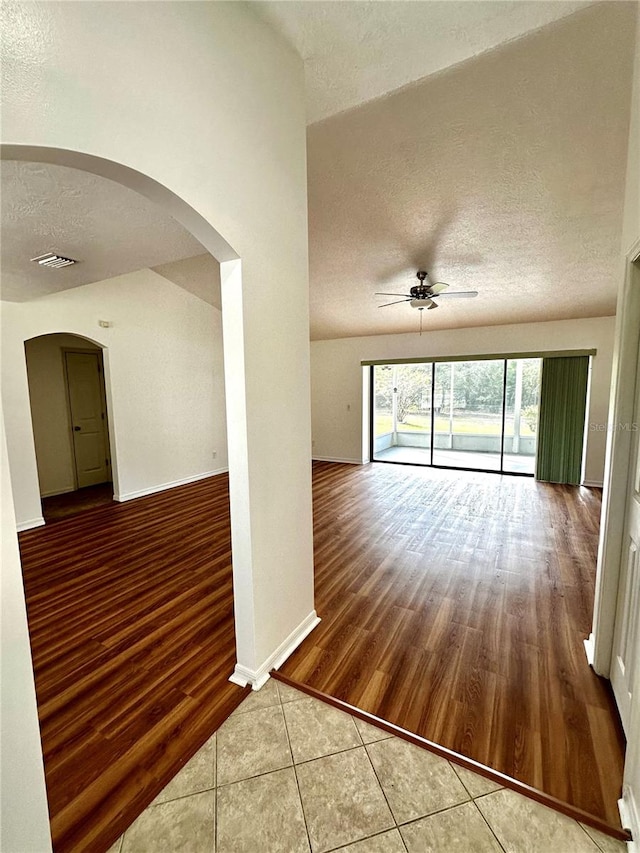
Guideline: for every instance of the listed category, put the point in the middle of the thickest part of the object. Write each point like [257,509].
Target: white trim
[630,817]
[257,677]
[614,497]
[589,649]
[128,496]
[30,524]
[593,484]
[336,459]
[242,676]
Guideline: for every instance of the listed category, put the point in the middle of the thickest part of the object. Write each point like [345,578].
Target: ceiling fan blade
[393,294]
[457,294]
[438,287]
[433,305]
[397,302]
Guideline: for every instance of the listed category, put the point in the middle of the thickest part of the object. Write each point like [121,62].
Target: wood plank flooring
[131,620]
[454,605]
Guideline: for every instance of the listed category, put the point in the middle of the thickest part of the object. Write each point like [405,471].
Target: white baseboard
[242,675]
[630,817]
[141,493]
[593,484]
[21,526]
[336,459]
[589,649]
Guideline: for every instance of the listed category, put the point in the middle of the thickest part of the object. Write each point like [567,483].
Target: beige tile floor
[287,774]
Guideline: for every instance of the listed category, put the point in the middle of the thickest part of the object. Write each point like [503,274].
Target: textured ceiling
[504,174]
[111,230]
[355,51]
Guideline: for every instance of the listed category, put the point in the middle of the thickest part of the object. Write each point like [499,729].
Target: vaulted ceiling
[482,141]
[504,174]
[357,50]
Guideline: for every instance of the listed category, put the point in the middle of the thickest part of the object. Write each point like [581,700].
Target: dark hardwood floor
[131,620]
[58,507]
[455,605]
[452,604]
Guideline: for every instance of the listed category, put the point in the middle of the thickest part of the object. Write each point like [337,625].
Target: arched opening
[70,419]
[27,492]
[41,437]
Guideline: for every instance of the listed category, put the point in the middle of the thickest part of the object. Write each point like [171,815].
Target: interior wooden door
[626,647]
[88,418]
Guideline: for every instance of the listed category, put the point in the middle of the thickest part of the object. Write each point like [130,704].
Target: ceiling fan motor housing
[420,291]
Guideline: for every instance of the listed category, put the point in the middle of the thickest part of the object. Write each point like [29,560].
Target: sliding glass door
[402,420]
[479,415]
[469,414]
[521,415]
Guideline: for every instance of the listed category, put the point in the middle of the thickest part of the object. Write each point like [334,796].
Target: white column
[270,493]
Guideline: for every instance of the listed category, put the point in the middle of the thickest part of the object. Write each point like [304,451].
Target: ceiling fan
[422,295]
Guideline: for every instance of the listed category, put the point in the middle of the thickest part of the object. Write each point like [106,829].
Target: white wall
[164,377]
[24,826]
[50,410]
[336,375]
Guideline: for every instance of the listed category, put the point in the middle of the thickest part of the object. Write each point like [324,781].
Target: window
[479,415]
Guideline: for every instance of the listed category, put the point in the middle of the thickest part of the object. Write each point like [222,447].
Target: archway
[46,325]
[70,416]
[267,633]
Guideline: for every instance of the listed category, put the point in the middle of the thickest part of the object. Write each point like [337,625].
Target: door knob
[76,429]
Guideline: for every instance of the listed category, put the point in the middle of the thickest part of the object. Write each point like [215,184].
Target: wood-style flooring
[130,611]
[455,605]
[68,504]
[452,604]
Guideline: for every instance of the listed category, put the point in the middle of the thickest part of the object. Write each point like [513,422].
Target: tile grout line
[453,767]
[432,814]
[393,817]
[593,840]
[384,794]
[500,845]
[367,838]
[295,773]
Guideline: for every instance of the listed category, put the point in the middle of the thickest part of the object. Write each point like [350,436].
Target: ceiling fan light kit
[423,303]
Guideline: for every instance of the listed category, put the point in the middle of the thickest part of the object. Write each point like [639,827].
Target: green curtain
[563,400]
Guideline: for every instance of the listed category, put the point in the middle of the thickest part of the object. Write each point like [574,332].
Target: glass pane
[402,413]
[521,417]
[382,409]
[468,414]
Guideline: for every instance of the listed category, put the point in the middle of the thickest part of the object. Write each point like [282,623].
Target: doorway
[70,423]
[476,415]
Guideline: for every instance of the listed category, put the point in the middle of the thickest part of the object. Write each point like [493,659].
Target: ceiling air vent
[50,259]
